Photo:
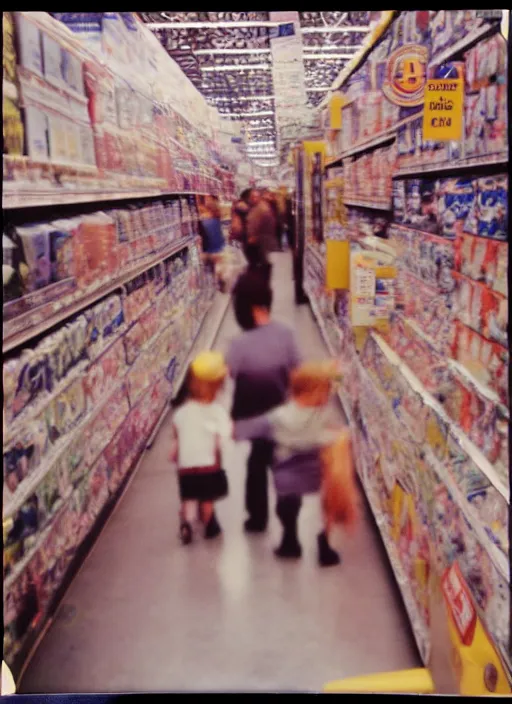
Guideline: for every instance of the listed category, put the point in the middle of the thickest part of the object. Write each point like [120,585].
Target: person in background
[260,361]
[202,432]
[262,230]
[212,238]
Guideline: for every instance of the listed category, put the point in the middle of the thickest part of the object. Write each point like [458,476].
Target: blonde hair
[203,390]
[312,377]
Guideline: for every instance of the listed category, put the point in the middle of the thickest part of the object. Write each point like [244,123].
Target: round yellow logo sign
[405,77]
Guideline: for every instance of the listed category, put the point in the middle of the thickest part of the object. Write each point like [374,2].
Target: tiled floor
[145,613]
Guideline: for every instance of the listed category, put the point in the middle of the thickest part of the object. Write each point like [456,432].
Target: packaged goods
[8,48]
[492,207]
[72,71]
[34,242]
[51,60]
[455,198]
[29,44]
[13,132]
[36,131]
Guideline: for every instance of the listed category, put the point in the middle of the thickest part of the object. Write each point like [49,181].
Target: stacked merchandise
[55,264]
[79,408]
[428,399]
[104,292]
[79,124]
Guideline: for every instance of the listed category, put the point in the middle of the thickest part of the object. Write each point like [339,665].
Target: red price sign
[460,603]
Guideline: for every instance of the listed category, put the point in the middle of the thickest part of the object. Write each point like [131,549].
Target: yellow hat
[209,366]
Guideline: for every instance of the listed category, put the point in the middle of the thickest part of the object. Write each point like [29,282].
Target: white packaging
[29,41]
[87,146]
[51,60]
[57,137]
[36,130]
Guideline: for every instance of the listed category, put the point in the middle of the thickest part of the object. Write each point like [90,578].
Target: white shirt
[200,429]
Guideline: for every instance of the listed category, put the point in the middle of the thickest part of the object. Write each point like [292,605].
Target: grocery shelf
[419,628]
[498,159]
[376,243]
[33,199]
[464,43]
[325,337]
[316,254]
[497,556]
[197,345]
[372,205]
[72,307]
[467,445]
[376,141]
[369,43]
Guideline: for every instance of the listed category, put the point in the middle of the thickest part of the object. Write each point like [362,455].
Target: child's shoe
[327,557]
[290,548]
[186,533]
[213,528]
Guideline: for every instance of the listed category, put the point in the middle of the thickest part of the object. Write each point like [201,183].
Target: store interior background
[115,126]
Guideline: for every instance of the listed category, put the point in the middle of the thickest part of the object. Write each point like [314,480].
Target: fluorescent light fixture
[235,67]
[221,52]
[327,56]
[209,25]
[244,98]
[259,128]
[318,90]
[252,144]
[334,30]
[247,114]
[331,47]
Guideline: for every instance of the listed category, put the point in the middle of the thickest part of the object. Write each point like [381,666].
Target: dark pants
[287,509]
[256,486]
[257,260]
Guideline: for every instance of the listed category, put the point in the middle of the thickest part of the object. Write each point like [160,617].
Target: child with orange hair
[202,432]
[312,454]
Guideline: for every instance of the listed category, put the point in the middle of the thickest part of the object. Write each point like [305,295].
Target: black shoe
[186,533]
[213,528]
[289,549]
[327,557]
[250,526]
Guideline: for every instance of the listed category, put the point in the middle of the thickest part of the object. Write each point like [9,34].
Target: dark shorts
[207,486]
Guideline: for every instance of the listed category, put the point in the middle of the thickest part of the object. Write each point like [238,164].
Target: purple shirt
[260,362]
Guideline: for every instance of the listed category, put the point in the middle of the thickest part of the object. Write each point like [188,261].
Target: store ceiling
[231,65]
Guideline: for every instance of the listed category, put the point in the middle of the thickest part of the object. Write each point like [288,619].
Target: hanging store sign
[290,101]
[443,110]
[405,76]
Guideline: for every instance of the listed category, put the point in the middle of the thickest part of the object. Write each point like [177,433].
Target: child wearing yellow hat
[308,442]
[202,431]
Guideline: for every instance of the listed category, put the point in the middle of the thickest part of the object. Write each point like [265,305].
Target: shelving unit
[98,343]
[460,465]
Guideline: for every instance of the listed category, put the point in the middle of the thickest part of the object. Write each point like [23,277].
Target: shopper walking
[303,429]
[202,432]
[262,224]
[212,238]
[260,361]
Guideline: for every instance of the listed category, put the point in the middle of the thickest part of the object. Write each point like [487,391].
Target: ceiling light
[318,90]
[254,143]
[242,98]
[235,67]
[209,25]
[327,56]
[331,47]
[332,30]
[248,114]
[259,128]
[221,52]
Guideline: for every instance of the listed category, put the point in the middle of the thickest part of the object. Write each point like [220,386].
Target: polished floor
[146,614]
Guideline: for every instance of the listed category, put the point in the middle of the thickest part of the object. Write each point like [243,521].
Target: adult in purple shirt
[260,361]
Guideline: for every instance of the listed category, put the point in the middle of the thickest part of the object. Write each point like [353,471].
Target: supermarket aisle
[146,614]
